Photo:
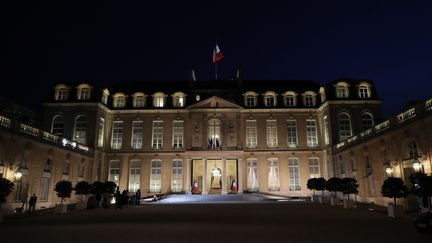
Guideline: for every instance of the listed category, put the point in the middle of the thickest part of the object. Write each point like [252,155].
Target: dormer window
[270,99]
[105,95]
[119,100]
[83,92]
[139,100]
[61,92]
[364,90]
[342,90]
[309,98]
[290,99]
[250,99]
[159,99]
[179,99]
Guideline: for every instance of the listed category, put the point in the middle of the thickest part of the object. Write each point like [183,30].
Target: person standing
[138,197]
[32,203]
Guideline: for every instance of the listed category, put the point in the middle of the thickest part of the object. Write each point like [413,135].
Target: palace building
[233,136]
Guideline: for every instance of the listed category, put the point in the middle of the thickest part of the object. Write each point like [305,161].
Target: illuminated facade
[212,137]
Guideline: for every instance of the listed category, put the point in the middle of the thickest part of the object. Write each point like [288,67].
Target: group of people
[124,198]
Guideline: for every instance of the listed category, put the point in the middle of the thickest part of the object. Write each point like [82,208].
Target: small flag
[217,54]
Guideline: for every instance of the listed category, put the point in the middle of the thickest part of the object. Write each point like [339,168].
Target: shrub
[394,188]
[63,189]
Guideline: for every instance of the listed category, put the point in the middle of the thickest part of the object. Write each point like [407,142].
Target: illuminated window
[251,134]
[176,176]
[177,142]
[309,98]
[159,99]
[179,99]
[137,134]
[157,135]
[292,133]
[273,177]
[252,175]
[57,125]
[367,121]
[83,92]
[114,171]
[294,174]
[364,90]
[270,99]
[271,130]
[62,94]
[155,176]
[344,126]
[311,133]
[119,100]
[214,133]
[250,99]
[342,90]
[290,99]
[80,129]
[139,100]
[117,135]
[134,175]
[314,168]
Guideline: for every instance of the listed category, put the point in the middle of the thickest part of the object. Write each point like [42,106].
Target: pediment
[214,103]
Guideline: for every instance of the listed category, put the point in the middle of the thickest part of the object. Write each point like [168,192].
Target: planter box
[80,205]
[60,209]
[395,211]
[348,203]
[335,201]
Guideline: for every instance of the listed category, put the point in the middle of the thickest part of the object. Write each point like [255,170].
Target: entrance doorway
[216,179]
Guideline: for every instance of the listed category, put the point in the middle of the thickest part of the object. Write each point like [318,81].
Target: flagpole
[216,71]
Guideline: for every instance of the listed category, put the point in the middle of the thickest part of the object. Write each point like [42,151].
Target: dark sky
[389,42]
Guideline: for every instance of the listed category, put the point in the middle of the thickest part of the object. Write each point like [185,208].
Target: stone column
[204,183]
[224,186]
[187,179]
[240,175]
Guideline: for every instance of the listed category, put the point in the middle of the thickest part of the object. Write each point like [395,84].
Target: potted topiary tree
[334,185]
[320,185]
[97,188]
[394,188]
[82,188]
[311,186]
[109,189]
[349,186]
[64,190]
[6,187]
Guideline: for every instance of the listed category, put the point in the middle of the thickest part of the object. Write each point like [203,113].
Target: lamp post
[417,165]
[389,170]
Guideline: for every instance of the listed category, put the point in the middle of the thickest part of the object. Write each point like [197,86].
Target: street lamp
[18,174]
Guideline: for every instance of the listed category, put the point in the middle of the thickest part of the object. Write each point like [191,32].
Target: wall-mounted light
[389,170]
[18,174]
[417,165]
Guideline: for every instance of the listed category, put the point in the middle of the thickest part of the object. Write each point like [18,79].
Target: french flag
[217,54]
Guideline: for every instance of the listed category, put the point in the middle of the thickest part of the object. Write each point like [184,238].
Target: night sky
[389,42]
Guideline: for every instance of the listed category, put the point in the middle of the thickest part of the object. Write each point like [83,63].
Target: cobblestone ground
[240,218]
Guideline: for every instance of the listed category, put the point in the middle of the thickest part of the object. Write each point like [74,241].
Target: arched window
[83,92]
[344,126]
[159,99]
[80,129]
[61,92]
[57,125]
[309,98]
[364,90]
[139,100]
[119,100]
[250,99]
[290,99]
[342,90]
[366,121]
[179,99]
[214,133]
[270,99]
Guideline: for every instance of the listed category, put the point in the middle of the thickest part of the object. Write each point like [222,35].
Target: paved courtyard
[240,218]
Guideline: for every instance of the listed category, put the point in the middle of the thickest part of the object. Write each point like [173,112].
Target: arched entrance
[214,176]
